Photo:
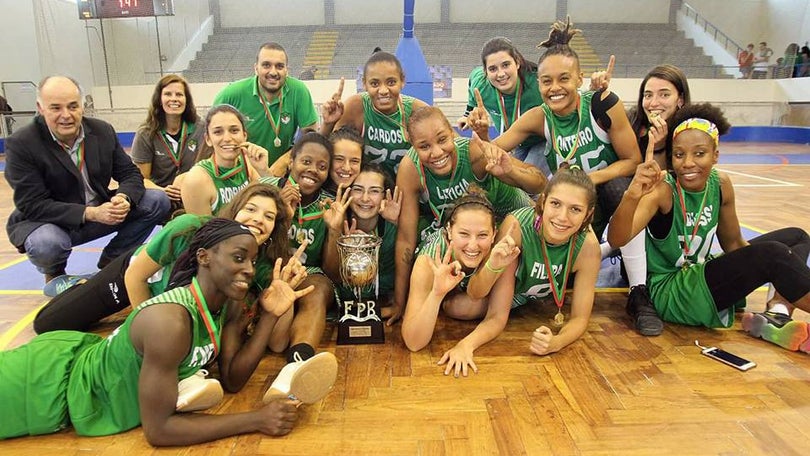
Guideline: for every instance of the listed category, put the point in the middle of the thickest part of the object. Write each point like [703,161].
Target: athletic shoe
[198,393]
[779,329]
[59,285]
[640,308]
[307,381]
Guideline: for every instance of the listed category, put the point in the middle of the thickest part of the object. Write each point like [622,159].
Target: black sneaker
[640,308]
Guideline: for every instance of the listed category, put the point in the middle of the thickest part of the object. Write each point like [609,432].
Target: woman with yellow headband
[683,212]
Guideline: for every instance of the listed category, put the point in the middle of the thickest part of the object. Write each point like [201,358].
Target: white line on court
[781,183]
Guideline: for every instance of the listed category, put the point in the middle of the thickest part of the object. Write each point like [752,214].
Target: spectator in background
[59,167]
[803,62]
[6,109]
[308,74]
[761,61]
[746,61]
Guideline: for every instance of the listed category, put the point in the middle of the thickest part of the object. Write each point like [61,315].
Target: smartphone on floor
[726,357]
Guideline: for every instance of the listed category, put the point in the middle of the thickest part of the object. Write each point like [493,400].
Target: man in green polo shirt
[275,104]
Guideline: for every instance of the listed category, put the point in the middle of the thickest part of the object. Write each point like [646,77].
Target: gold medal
[559,319]
[686,264]
[301,236]
[277,142]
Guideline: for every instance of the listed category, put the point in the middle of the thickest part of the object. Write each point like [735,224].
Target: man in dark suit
[60,167]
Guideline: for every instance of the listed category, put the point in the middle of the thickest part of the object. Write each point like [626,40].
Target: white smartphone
[726,357]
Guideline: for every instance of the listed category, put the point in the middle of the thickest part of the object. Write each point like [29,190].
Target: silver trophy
[359,322]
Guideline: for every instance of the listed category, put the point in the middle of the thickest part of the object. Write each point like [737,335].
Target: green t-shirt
[578,137]
[531,278]
[103,388]
[385,135]
[295,103]
[498,105]
[227,181]
[167,244]
[680,294]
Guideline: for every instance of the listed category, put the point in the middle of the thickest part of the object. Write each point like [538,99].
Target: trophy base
[357,333]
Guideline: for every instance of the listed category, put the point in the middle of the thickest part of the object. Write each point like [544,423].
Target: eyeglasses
[358,191]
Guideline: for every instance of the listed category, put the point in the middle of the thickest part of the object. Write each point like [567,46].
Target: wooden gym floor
[611,392]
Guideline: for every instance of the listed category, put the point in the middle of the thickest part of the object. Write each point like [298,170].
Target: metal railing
[720,37]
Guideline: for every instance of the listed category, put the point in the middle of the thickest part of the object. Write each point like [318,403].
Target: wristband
[491,269]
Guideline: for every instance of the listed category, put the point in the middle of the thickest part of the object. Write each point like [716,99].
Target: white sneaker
[307,381]
[198,393]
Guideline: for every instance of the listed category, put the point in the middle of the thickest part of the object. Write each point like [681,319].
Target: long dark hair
[206,151]
[277,246]
[669,73]
[156,116]
[578,178]
[499,44]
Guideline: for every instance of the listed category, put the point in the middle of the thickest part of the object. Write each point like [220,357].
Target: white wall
[384,11]
[744,21]
[786,23]
[502,11]
[618,11]
[18,46]
[265,13]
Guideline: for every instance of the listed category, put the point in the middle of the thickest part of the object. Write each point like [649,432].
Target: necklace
[552,121]
[205,313]
[687,242]
[274,124]
[557,293]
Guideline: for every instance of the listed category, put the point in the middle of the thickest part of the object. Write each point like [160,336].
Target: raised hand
[446,274]
[336,213]
[257,155]
[478,119]
[332,109]
[499,163]
[600,80]
[504,252]
[459,360]
[541,341]
[351,229]
[279,297]
[391,205]
[291,196]
[648,173]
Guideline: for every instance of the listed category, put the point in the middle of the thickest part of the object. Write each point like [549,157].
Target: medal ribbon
[202,306]
[505,122]
[399,123]
[237,168]
[552,122]
[557,293]
[177,155]
[423,181]
[275,125]
[688,241]
[79,156]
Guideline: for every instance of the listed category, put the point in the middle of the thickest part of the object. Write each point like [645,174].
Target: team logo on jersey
[192,145]
[285,118]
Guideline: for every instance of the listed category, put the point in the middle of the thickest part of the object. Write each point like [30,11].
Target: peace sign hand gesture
[280,295]
[336,214]
[446,274]
[391,205]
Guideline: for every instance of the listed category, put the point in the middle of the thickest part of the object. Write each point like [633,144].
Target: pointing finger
[478,100]
[339,94]
[611,64]
[650,155]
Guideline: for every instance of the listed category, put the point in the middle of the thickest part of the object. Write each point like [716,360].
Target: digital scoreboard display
[107,9]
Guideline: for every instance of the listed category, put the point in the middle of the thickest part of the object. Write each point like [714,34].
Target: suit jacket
[48,187]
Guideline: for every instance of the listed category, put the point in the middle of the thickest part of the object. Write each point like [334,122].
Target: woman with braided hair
[107,386]
[589,130]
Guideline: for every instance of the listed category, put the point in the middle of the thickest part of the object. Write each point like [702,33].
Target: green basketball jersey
[307,224]
[227,181]
[531,278]
[385,134]
[577,134]
[440,192]
[676,280]
[103,387]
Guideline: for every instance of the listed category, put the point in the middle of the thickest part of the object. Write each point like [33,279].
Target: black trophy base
[352,332]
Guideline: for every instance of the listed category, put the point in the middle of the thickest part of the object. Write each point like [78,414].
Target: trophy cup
[359,322]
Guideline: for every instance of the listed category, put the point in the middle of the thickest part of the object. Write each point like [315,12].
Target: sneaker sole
[203,398]
[312,381]
[794,335]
